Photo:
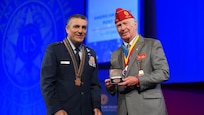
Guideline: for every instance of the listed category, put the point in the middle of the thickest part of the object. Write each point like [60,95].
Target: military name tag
[78,82]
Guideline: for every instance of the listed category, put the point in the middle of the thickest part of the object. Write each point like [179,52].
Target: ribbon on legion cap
[122,14]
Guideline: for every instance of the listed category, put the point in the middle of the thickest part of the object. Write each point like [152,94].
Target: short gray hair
[80,16]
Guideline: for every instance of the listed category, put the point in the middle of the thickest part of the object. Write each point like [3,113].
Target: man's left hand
[129,81]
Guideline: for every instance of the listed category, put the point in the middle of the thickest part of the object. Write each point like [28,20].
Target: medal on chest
[124,71]
[140,58]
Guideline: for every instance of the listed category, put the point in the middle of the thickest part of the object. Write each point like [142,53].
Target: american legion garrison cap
[122,14]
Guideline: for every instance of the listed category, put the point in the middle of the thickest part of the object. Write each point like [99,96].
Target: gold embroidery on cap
[127,15]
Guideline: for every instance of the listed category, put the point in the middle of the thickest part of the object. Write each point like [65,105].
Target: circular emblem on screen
[28,43]
[29,27]
[26,28]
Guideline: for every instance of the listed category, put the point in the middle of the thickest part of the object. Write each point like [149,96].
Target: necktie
[77,56]
[128,47]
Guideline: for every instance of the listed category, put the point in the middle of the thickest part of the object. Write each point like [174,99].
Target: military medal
[124,72]
[141,73]
[139,58]
[116,79]
[128,55]
[115,76]
[78,81]
[78,70]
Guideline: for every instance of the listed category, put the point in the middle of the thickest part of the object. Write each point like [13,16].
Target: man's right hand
[109,85]
[61,112]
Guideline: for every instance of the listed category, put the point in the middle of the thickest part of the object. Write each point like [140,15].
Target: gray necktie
[128,46]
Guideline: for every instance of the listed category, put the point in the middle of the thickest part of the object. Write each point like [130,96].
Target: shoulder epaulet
[57,43]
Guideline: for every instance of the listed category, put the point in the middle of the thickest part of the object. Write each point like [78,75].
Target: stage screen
[102,34]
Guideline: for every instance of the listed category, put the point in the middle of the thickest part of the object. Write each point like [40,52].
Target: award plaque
[115,76]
